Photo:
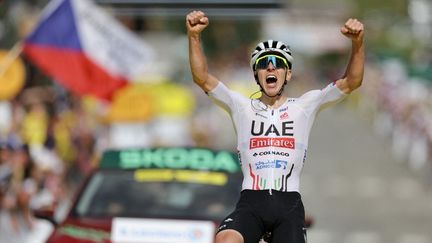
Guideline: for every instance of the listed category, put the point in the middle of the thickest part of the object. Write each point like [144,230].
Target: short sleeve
[225,98]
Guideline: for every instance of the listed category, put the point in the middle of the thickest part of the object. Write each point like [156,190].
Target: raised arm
[196,22]
[353,77]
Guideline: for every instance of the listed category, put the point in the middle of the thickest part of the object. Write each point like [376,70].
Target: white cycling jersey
[272,143]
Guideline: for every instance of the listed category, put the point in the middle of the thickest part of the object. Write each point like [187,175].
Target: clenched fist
[353,29]
[196,21]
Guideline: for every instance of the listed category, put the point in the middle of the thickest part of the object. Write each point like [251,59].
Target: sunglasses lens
[277,62]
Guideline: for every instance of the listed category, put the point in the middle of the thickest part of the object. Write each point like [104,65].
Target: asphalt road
[356,191]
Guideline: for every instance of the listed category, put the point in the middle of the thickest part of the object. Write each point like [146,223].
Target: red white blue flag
[85,49]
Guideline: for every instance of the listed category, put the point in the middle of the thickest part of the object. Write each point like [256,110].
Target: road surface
[356,191]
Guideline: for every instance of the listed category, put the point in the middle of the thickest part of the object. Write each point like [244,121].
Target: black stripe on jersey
[284,186]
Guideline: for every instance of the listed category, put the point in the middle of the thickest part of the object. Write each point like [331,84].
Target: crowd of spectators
[50,139]
[400,106]
[46,147]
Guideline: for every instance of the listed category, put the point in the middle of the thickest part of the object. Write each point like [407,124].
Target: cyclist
[272,133]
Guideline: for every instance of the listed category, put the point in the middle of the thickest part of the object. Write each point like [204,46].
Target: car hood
[82,230]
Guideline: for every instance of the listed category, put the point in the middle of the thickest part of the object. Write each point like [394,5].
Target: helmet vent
[271,46]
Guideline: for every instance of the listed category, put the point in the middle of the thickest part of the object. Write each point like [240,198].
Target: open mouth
[271,79]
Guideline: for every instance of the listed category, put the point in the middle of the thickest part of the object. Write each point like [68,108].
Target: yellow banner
[142,102]
[186,176]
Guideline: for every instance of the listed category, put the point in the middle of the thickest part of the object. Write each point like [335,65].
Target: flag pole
[17,49]
[10,57]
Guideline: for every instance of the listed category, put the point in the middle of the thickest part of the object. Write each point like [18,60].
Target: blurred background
[368,176]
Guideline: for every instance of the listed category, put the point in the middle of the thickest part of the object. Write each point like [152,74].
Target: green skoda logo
[172,158]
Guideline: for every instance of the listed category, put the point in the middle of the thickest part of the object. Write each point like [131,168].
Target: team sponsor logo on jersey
[272,135]
[261,115]
[284,116]
[259,128]
[281,164]
[263,142]
[278,164]
[264,153]
[283,109]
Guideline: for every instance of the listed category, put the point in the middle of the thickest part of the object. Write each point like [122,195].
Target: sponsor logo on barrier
[162,230]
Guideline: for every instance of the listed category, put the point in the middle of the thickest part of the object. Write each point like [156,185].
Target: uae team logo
[272,136]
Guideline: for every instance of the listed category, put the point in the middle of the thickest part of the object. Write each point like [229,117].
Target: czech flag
[85,49]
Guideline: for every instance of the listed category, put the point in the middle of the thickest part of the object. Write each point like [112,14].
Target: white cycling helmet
[271,46]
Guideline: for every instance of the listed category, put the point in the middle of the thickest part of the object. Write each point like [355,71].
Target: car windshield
[157,194]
